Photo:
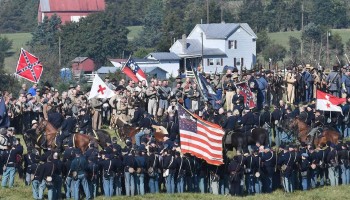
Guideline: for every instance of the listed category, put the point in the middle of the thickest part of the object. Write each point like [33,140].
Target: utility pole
[202,52]
[302,29]
[59,51]
[222,11]
[207,11]
[328,34]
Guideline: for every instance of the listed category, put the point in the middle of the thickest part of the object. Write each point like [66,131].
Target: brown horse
[46,137]
[303,133]
[125,130]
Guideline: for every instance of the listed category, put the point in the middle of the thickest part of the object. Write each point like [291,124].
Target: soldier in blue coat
[268,167]
[80,166]
[334,81]
[262,88]
[285,160]
[68,127]
[309,81]
[230,123]
[305,171]
[247,120]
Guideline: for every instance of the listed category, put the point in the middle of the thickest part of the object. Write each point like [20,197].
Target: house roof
[194,47]
[72,5]
[150,69]
[223,30]
[79,59]
[163,56]
[106,69]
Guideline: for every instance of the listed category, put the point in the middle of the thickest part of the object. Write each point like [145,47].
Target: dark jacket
[55,119]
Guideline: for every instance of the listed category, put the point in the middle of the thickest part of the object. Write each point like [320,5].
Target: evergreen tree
[5,46]
[150,34]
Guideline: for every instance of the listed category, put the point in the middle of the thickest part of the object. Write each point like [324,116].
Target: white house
[231,44]
[162,61]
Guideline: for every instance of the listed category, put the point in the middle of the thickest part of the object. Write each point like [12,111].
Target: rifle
[338,60]
[346,56]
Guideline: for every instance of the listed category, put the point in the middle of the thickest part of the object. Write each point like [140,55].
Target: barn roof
[72,5]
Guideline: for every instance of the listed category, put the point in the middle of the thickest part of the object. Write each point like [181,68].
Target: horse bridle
[42,132]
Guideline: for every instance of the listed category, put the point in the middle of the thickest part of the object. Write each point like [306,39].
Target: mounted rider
[145,128]
[318,124]
[247,120]
[68,127]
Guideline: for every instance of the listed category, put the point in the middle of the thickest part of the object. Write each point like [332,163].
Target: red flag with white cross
[99,89]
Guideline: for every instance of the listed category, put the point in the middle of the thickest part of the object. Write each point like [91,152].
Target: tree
[47,32]
[44,45]
[336,44]
[275,52]
[172,23]
[5,46]
[330,13]
[98,36]
[294,48]
[252,12]
[18,15]
[262,41]
[150,34]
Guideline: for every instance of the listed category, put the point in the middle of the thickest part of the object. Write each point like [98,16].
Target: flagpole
[199,85]
[126,62]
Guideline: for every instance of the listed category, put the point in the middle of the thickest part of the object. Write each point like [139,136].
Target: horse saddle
[66,140]
[319,132]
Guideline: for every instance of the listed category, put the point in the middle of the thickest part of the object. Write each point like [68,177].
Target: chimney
[184,43]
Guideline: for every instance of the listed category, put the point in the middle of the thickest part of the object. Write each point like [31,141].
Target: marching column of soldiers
[150,166]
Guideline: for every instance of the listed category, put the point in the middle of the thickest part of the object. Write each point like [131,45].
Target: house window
[232,44]
[236,62]
[211,61]
[218,61]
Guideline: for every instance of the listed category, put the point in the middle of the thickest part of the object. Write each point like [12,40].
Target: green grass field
[134,32]
[20,191]
[19,40]
[283,37]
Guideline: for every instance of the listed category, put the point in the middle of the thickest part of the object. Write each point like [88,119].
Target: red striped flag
[200,138]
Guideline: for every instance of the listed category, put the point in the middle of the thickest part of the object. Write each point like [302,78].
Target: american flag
[200,138]
[247,94]
[133,71]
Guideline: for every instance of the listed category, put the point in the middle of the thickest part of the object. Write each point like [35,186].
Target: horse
[240,140]
[303,130]
[125,130]
[45,134]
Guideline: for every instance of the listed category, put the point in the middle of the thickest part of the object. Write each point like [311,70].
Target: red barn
[69,10]
[83,65]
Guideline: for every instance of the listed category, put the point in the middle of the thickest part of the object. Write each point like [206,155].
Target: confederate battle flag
[133,71]
[247,94]
[29,66]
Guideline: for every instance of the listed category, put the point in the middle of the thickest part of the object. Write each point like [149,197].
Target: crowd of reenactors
[151,166]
